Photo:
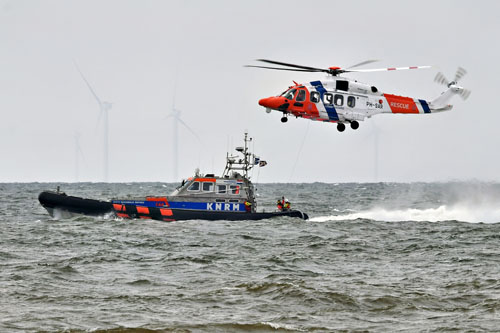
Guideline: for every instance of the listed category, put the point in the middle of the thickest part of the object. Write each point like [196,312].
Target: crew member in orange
[280,205]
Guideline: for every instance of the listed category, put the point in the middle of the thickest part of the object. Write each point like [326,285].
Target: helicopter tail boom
[441,103]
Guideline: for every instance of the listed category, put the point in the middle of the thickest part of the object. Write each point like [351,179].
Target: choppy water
[373,257]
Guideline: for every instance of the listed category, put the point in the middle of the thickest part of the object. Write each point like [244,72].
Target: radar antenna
[237,163]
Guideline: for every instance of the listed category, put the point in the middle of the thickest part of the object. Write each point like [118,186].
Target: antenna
[245,164]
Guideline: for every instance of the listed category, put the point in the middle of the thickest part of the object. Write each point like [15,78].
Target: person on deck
[280,205]
[248,206]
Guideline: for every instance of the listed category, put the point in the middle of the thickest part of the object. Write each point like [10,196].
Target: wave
[442,213]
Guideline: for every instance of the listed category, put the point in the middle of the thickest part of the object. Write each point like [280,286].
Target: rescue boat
[201,197]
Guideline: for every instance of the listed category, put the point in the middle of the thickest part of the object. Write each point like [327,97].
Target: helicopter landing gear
[284,119]
[340,127]
[354,125]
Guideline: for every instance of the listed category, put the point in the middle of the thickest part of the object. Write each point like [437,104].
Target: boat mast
[234,162]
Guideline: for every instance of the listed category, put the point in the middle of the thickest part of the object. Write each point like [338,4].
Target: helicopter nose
[271,102]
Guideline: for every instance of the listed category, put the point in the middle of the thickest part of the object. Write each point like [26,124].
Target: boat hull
[66,205]
[54,201]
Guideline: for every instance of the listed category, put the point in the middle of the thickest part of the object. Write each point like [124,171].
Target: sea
[373,257]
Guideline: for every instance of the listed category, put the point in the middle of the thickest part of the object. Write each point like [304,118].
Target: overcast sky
[134,54]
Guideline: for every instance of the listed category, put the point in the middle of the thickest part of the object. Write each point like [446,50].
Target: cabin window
[328,98]
[208,187]
[221,189]
[351,101]
[339,100]
[342,85]
[290,94]
[194,186]
[314,97]
[234,189]
[301,96]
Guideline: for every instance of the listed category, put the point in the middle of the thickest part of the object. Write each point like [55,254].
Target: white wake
[441,213]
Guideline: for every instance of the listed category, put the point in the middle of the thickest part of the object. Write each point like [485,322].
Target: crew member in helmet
[248,206]
[280,205]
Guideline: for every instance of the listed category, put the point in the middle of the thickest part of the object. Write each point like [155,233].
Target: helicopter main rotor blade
[293,65]
[285,69]
[366,62]
[384,69]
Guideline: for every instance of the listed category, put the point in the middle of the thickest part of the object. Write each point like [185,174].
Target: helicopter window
[301,96]
[235,189]
[314,97]
[342,85]
[221,189]
[351,101]
[339,100]
[328,98]
[194,186]
[208,187]
[290,94]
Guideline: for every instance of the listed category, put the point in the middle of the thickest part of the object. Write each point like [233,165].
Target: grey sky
[132,51]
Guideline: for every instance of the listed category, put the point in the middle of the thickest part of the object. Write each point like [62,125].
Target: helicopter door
[301,97]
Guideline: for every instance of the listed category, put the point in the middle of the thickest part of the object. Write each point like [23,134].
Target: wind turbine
[374,137]
[104,107]
[78,154]
[176,115]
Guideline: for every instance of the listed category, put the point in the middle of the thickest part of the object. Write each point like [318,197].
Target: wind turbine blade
[188,128]
[88,84]
[175,90]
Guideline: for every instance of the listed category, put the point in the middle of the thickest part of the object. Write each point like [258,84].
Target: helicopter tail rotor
[441,102]
[441,79]
[459,74]
[464,93]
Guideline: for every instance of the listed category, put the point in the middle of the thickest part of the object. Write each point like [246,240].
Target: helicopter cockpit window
[314,97]
[351,101]
[290,94]
[339,100]
[328,98]
[301,96]
[194,186]
[208,187]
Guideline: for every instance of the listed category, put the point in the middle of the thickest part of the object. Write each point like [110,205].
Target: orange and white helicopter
[343,100]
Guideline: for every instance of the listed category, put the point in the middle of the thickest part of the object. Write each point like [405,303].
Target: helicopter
[343,100]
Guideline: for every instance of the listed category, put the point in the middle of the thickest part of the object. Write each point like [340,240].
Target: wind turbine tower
[78,154]
[176,115]
[104,108]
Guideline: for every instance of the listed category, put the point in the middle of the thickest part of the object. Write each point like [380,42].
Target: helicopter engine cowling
[363,88]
